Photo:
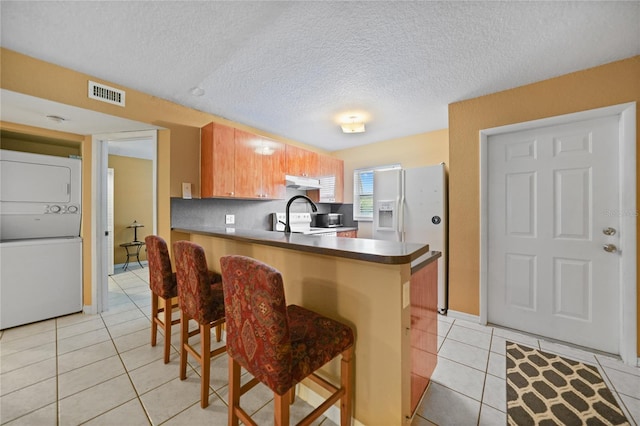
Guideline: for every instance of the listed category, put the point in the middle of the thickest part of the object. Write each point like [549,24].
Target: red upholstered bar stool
[201,301]
[163,284]
[279,345]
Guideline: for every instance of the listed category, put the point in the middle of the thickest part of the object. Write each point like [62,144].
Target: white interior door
[553,200]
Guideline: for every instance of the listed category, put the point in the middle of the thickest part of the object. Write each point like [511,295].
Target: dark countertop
[378,251]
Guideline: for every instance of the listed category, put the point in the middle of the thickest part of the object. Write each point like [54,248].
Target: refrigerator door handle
[401,218]
[401,207]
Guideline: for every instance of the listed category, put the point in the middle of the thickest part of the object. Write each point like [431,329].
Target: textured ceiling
[296,68]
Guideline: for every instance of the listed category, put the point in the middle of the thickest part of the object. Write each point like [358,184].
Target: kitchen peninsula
[370,285]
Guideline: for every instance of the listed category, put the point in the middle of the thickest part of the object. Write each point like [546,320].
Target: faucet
[287,228]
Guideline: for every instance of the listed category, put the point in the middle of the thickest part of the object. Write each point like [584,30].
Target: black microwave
[328,220]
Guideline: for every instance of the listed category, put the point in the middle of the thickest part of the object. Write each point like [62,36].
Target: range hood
[302,183]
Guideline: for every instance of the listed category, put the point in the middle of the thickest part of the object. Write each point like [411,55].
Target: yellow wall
[412,151]
[611,84]
[38,147]
[133,200]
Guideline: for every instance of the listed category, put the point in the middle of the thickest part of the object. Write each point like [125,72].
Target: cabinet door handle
[231,193]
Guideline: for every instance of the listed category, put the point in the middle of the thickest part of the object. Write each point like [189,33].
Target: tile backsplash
[249,214]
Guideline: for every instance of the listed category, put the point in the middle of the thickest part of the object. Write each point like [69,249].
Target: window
[363,191]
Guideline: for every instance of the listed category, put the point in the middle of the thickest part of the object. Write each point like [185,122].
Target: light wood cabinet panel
[348,234]
[240,164]
[260,167]
[330,166]
[301,162]
[217,152]
[248,165]
[424,336]
[274,163]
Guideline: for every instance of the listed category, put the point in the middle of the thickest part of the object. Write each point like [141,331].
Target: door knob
[609,231]
[610,248]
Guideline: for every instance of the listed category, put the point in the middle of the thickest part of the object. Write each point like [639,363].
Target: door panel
[248,165]
[548,193]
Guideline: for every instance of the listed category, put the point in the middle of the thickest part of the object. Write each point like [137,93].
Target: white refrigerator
[410,205]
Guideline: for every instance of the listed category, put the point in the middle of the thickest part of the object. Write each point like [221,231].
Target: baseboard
[463,316]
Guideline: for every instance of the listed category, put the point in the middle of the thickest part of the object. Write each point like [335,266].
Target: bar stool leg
[205,351]
[346,368]
[281,409]
[154,314]
[167,329]
[184,336]
[234,392]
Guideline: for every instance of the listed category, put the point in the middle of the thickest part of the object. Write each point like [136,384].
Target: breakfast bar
[386,291]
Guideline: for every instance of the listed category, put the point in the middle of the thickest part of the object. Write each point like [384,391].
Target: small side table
[133,253]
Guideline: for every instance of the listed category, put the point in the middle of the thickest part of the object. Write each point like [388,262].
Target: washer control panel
[62,209]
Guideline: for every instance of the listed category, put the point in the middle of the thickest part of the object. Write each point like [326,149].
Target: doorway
[558,255]
[138,144]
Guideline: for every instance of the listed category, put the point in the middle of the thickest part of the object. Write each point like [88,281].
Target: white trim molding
[465,316]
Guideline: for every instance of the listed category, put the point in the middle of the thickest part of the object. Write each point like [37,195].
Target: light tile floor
[101,370]
[468,386]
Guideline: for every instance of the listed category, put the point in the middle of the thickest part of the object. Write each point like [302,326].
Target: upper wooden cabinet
[217,157]
[259,167]
[274,168]
[329,167]
[239,164]
[301,162]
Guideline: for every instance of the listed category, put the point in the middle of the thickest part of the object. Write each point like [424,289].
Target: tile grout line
[57,376]
[137,395]
[484,384]
[617,396]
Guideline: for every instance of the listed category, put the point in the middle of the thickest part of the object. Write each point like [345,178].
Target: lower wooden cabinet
[424,329]
[348,234]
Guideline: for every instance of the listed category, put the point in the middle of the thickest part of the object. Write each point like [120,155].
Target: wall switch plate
[230,219]
[186,190]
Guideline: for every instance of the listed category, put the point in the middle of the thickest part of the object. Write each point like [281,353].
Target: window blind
[363,191]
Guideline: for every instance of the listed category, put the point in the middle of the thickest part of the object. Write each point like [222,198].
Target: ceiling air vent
[106,94]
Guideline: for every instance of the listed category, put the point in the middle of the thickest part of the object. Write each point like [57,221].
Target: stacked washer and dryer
[40,244]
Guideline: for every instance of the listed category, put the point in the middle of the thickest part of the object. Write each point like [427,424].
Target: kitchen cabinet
[274,168]
[348,234]
[423,297]
[259,167]
[217,152]
[331,174]
[301,162]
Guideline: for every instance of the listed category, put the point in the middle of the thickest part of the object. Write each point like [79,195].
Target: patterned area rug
[546,389]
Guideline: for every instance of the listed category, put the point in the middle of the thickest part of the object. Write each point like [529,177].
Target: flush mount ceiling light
[56,118]
[354,125]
